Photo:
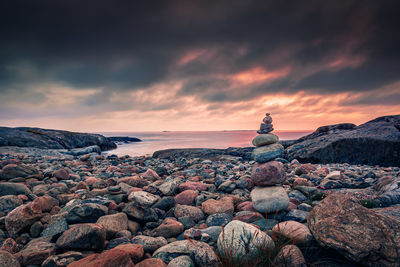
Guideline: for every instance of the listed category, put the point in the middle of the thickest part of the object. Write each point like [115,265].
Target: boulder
[376,142]
[224,205]
[170,227]
[36,253]
[149,244]
[22,217]
[266,153]
[8,260]
[14,189]
[89,236]
[21,170]
[114,223]
[269,199]
[201,253]
[361,235]
[270,173]
[265,139]
[240,240]
[290,256]
[121,256]
[9,202]
[296,232]
[62,260]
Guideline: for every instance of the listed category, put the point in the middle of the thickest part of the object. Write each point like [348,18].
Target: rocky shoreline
[146,211]
[198,207]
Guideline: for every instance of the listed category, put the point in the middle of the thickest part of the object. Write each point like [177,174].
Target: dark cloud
[126,45]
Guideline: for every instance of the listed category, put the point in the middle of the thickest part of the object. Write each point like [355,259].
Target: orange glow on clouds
[258,74]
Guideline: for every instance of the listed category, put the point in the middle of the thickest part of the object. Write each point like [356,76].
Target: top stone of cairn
[266,126]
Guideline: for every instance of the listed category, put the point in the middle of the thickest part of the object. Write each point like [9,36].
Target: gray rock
[7,259]
[200,253]
[240,240]
[9,202]
[86,213]
[266,153]
[219,219]
[56,228]
[14,189]
[265,139]
[269,199]
[182,261]
[296,215]
[149,244]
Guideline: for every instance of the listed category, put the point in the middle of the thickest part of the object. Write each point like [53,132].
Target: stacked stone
[268,196]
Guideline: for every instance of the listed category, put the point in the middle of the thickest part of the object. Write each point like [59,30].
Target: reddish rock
[384,181]
[360,234]
[322,172]
[186,197]
[89,236]
[151,262]
[130,170]
[245,206]
[192,186]
[61,174]
[10,246]
[296,232]
[184,210]
[134,181]
[36,253]
[290,256]
[224,205]
[82,185]
[11,171]
[169,228]
[7,260]
[301,181]
[46,203]
[150,175]
[22,217]
[270,173]
[5,162]
[304,169]
[113,169]
[249,217]
[114,223]
[122,256]
[90,181]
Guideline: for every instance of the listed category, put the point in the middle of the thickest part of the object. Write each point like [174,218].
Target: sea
[153,141]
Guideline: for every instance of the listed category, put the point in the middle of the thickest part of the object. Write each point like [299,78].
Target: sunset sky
[197,65]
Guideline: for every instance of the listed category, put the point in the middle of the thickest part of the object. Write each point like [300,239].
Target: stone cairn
[268,196]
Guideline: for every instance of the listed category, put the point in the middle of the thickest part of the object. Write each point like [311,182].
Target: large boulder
[270,173]
[266,153]
[240,240]
[201,253]
[22,217]
[21,170]
[13,189]
[88,236]
[269,199]
[361,235]
[376,142]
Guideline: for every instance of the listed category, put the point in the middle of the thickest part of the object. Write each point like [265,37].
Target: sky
[197,65]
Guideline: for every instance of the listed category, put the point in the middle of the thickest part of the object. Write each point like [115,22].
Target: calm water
[153,141]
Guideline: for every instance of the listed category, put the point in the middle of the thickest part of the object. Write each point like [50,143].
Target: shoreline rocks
[92,209]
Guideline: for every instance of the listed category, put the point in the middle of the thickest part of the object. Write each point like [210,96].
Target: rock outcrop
[376,142]
[54,139]
[359,234]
